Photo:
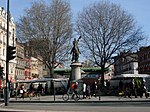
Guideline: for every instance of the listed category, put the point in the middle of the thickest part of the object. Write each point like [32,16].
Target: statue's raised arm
[79,38]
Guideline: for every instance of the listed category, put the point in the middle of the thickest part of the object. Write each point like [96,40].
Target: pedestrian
[94,88]
[88,91]
[22,91]
[84,90]
[128,92]
[39,89]
[31,88]
[46,89]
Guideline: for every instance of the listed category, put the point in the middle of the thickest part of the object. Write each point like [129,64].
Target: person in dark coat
[94,88]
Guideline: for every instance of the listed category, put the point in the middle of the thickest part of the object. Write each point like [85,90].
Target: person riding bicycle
[74,87]
[72,93]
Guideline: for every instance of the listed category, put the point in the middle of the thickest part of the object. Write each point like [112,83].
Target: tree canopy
[106,29]
[48,27]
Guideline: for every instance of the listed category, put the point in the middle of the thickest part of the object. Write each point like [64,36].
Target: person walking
[22,91]
[94,88]
[84,90]
[46,89]
[88,91]
[31,88]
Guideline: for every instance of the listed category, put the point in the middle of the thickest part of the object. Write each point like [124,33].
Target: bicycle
[32,94]
[70,95]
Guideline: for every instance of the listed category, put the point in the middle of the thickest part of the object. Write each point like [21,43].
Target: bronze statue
[75,50]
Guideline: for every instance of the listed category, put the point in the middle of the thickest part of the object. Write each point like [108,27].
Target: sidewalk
[58,99]
[53,101]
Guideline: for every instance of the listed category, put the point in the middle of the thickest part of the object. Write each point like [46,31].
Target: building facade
[144,60]
[20,66]
[3,42]
[126,63]
[35,67]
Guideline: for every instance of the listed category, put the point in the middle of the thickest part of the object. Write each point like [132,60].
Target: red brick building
[144,60]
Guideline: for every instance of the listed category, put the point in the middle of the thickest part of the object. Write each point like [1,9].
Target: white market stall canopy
[130,75]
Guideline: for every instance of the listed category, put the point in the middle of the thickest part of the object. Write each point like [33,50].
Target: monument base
[75,70]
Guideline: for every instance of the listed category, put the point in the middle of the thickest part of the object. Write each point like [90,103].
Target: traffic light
[1,72]
[10,52]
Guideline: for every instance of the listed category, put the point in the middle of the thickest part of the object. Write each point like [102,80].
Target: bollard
[99,90]
[16,94]
[99,95]
[54,89]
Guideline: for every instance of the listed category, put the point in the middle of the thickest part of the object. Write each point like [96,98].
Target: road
[106,104]
[79,107]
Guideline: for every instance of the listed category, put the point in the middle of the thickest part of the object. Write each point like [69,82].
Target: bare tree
[106,29]
[48,27]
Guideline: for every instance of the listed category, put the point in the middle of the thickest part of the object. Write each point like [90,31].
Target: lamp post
[6,98]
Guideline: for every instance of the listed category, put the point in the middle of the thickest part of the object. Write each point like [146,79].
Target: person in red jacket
[75,88]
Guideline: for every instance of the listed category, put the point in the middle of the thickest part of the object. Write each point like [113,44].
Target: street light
[6,98]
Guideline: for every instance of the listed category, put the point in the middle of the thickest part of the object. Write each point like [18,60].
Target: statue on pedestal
[75,50]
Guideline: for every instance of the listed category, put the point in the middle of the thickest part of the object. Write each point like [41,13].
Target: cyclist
[72,91]
[75,88]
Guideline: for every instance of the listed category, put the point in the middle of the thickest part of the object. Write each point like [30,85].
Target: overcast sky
[138,8]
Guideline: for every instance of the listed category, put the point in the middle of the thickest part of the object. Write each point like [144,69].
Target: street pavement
[59,99]
[53,103]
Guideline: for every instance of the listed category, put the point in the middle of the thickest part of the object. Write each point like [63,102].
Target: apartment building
[20,59]
[126,63]
[144,60]
[3,42]
[36,69]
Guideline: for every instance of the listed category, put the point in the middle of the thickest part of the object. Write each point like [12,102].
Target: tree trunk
[52,83]
[102,76]
[51,72]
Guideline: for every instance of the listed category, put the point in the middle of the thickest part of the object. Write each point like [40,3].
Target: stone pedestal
[76,71]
